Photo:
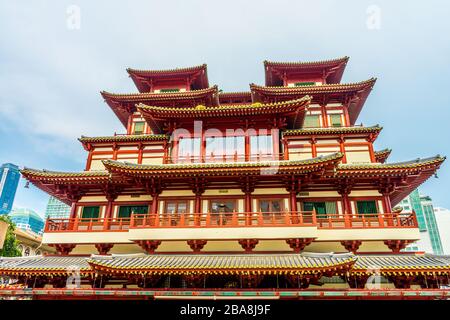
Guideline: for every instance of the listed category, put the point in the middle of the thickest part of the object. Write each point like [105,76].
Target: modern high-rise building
[56,209]
[422,205]
[443,222]
[27,219]
[9,180]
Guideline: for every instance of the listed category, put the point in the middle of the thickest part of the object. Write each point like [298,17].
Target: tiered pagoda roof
[353,93]
[382,155]
[197,76]
[331,70]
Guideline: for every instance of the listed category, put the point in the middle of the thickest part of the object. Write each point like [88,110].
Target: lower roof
[278,263]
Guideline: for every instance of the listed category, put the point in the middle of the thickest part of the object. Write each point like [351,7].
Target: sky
[56,56]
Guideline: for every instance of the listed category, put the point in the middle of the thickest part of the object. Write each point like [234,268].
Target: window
[90,212]
[322,208]
[261,145]
[174,207]
[225,148]
[168,90]
[301,84]
[218,206]
[127,211]
[312,121]
[368,206]
[335,120]
[272,205]
[189,149]
[139,127]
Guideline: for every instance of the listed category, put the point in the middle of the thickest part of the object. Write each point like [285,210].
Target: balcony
[224,158]
[234,220]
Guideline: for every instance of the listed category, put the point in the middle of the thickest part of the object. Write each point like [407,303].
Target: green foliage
[11,245]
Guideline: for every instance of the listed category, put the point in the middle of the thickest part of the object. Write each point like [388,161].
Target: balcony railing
[224,220]
[87,224]
[223,158]
[235,220]
[367,221]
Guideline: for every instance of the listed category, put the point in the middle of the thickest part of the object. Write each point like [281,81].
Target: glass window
[90,212]
[261,145]
[176,207]
[189,149]
[368,206]
[335,120]
[312,121]
[301,84]
[139,127]
[274,205]
[168,90]
[225,148]
[127,211]
[322,208]
[218,206]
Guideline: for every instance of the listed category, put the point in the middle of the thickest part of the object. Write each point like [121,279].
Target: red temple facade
[275,188]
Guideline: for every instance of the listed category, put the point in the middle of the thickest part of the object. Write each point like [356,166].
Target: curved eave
[124,138]
[332,131]
[225,264]
[233,110]
[226,169]
[388,264]
[334,68]
[140,76]
[151,96]
[355,93]
[382,155]
[53,182]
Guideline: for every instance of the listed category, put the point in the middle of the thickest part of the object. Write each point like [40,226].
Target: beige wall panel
[93,199]
[96,165]
[270,191]
[152,160]
[222,192]
[358,157]
[318,194]
[368,234]
[85,237]
[177,193]
[300,156]
[142,197]
[129,148]
[223,233]
[365,193]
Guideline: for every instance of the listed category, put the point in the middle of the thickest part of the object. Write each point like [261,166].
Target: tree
[11,245]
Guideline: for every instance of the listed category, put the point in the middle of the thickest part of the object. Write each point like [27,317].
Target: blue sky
[51,74]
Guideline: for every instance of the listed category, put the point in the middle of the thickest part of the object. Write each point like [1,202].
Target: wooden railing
[223,158]
[235,219]
[223,220]
[87,224]
[367,221]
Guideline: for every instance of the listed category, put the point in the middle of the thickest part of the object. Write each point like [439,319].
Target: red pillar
[73,210]
[155,200]
[248,202]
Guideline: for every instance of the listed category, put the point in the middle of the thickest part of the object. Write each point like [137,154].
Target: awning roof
[293,109]
[332,130]
[272,263]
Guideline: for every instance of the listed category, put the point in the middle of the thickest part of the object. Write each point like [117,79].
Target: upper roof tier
[353,94]
[194,78]
[124,105]
[327,71]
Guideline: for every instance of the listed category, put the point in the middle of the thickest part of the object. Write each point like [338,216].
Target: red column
[285,149]
[73,210]
[198,203]
[248,202]
[140,152]
[155,200]
[89,159]
[313,148]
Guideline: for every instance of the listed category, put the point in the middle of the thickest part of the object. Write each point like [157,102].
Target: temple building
[274,190]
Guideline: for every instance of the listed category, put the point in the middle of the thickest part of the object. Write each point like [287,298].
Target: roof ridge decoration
[382,155]
[124,138]
[343,59]
[174,70]
[306,98]
[369,81]
[394,165]
[174,166]
[333,130]
[47,173]
[106,94]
